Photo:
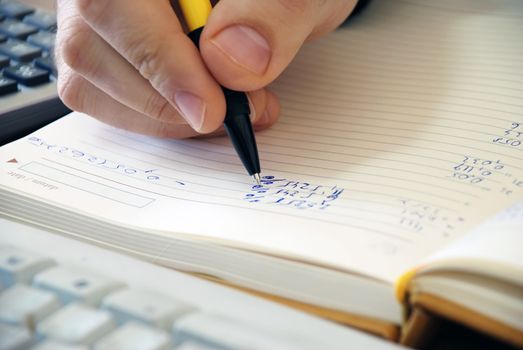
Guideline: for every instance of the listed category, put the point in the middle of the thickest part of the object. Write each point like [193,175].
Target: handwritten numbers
[294,194]
[475,170]
[416,216]
[512,136]
[148,175]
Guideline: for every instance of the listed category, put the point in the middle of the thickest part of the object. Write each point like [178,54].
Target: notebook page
[493,248]
[398,134]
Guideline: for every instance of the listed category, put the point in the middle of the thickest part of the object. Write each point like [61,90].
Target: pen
[237,121]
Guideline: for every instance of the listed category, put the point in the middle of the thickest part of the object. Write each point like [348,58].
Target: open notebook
[399,133]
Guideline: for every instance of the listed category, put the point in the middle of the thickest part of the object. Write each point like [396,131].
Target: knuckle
[296,6]
[71,41]
[156,106]
[69,87]
[143,55]
[93,11]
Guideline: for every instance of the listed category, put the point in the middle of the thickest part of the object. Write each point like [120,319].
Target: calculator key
[76,324]
[19,266]
[147,307]
[23,306]
[76,285]
[14,9]
[135,336]
[7,86]
[17,30]
[26,74]
[46,63]
[12,337]
[52,345]
[42,20]
[224,333]
[43,40]
[20,50]
[194,346]
[4,61]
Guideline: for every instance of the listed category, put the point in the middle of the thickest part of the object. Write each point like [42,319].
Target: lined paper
[398,134]
[474,252]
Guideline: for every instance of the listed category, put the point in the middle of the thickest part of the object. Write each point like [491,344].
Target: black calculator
[28,96]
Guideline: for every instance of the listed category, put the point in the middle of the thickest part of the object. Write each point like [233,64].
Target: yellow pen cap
[195,12]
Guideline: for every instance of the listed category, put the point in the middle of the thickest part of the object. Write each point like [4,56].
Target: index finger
[149,36]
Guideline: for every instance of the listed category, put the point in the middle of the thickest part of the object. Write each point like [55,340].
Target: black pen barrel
[237,122]
[239,128]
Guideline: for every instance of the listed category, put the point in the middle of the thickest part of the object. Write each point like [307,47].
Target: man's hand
[130,64]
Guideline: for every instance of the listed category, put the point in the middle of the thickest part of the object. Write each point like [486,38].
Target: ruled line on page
[367,80]
[297,121]
[380,35]
[294,111]
[380,17]
[208,194]
[323,90]
[361,132]
[240,173]
[405,72]
[406,52]
[415,60]
[307,166]
[356,97]
[450,9]
[363,76]
[393,144]
[220,203]
[170,159]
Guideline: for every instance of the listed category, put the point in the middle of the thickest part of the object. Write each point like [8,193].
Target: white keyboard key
[76,285]
[224,333]
[14,338]
[148,307]
[19,266]
[52,345]
[76,324]
[24,306]
[194,346]
[135,336]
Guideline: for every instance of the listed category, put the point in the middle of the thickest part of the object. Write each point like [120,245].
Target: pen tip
[257,179]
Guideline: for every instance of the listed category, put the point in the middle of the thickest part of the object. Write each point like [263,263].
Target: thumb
[247,44]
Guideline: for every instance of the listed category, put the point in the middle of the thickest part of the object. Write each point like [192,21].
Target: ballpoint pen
[237,121]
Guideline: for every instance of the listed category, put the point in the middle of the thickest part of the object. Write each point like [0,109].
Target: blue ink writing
[77,154]
[295,194]
[415,216]
[512,136]
[475,170]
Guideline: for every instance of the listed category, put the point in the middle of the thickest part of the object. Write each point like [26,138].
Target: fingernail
[191,107]
[245,46]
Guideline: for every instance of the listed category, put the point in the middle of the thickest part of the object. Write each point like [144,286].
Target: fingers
[271,112]
[247,44]
[81,95]
[136,66]
[118,79]
[148,35]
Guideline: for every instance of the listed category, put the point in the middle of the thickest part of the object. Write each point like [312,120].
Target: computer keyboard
[59,293]
[28,95]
